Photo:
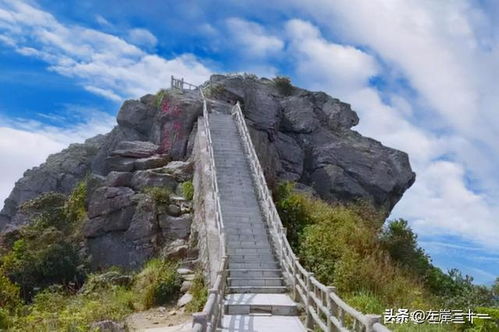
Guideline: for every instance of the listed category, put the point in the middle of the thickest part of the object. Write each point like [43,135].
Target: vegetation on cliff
[45,283]
[372,265]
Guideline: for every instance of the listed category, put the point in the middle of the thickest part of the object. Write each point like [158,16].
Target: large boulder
[135,149]
[298,135]
[307,137]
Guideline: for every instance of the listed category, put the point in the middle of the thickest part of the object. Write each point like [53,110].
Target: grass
[159,97]
[199,293]
[188,190]
[110,295]
[157,284]
[160,195]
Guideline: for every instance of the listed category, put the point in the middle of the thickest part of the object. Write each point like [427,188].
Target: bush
[46,251]
[34,265]
[9,293]
[157,284]
[188,190]
[401,243]
[293,210]
[199,294]
[365,302]
[160,195]
[57,310]
[158,98]
[75,206]
[283,85]
[341,245]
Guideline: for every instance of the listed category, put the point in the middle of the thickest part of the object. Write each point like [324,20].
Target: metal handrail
[323,307]
[180,84]
[209,319]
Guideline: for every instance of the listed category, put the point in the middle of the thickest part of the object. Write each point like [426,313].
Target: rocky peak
[299,135]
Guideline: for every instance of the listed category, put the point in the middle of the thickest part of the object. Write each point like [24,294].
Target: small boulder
[135,149]
[184,270]
[184,300]
[108,326]
[108,199]
[174,210]
[118,179]
[180,170]
[175,227]
[119,164]
[151,162]
[152,178]
[186,285]
[178,249]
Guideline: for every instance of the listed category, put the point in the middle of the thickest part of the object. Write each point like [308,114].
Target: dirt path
[161,319]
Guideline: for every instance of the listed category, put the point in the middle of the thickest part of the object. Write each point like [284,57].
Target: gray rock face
[304,137]
[152,178]
[175,227]
[307,137]
[60,173]
[135,149]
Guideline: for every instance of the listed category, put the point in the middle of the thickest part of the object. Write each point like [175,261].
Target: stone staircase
[256,299]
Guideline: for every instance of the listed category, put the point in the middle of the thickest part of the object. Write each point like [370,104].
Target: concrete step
[249,244]
[249,251]
[241,258]
[254,265]
[245,231]
[242,237]
[254,273]
[256,282]
[246,323]
[257,289]
[246,304]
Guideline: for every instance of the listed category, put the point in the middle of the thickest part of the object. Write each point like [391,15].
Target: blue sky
[422,75]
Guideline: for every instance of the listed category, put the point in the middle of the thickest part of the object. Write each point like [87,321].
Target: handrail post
[309,322]
[295,279]
[329,305]
[371,320]
[200,318]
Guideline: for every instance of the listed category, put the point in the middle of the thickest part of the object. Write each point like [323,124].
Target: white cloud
[102,20]
[27,143]
[440,202]
[104,64]
[339,67]
[142,37]
[253,38]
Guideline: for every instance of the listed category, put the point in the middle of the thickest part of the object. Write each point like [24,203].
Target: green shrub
[158,98]
[9,293]
[75,207]
[283,85]
[365,302]
[293,210]
[52,260]
[157,284]
[485,325]
[57,310]
[199,294]
[160,195]
[401,243]
[188,190]
[341,245]
[46,251]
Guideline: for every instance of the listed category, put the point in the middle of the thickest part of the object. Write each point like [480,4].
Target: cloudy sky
[421,74]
